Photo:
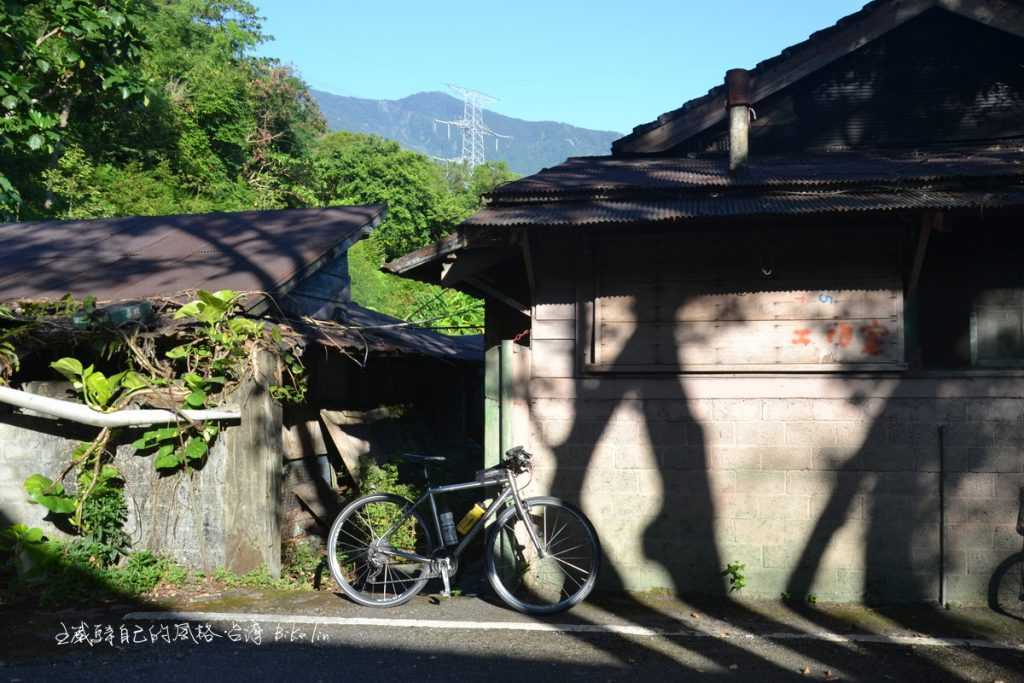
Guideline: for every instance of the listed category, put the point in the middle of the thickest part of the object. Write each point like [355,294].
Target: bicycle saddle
[422,459]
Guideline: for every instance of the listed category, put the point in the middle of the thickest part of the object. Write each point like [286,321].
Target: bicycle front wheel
[367,575]
[1006,587]
[565,575]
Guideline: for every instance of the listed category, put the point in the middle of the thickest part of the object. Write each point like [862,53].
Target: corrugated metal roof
[719,90]
[137,257]
[768,76]
[730,205]
[597,176]
[381,334]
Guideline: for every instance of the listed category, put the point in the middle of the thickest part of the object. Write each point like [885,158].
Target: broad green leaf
[99,387]
[43,65]
[195,449]
[166,458]
[245,326]
[10,102]
[151,438]
[108,472]
[189,310]
[49,494]
[165,433]
[35,141]
[69,367]
[37,483]
[178,351]
[228,296]
[197,399]
[213,300]
[32,535]
[193,381]
[133,381]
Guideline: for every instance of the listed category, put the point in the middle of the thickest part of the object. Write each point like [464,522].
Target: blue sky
[594,63]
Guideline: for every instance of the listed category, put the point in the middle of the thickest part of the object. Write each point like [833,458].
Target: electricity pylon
[473,127]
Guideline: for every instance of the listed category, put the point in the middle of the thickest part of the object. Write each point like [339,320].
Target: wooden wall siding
[553,333]
[939,78]
[736,344]
[701,302]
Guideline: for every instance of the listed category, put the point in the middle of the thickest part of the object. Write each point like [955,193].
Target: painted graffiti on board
[846,340]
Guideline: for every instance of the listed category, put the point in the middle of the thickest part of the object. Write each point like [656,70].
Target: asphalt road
[320,637]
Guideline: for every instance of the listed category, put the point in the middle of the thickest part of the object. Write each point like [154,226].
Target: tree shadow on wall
[697,500]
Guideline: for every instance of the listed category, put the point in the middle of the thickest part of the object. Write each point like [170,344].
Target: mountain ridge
[410,121]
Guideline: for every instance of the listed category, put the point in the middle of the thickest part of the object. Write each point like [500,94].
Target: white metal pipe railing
[77,412]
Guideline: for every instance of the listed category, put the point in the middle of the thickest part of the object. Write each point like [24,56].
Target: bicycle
[542,555]
[1006,587]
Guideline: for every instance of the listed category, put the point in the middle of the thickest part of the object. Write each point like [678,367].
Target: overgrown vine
[213,354]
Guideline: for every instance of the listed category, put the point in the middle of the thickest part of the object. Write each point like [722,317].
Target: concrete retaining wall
[223,514]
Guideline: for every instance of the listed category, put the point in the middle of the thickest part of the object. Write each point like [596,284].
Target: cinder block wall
[818,485]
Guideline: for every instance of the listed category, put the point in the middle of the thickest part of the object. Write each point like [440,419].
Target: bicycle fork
[517,501]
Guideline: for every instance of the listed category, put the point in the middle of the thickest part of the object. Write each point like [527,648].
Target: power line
[474,130]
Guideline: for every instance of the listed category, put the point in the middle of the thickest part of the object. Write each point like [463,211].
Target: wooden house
[782,325]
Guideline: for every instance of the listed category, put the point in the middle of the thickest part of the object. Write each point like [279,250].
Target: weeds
[734,572]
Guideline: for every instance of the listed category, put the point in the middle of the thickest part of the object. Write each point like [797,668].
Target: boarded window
[734,301]
[997,328]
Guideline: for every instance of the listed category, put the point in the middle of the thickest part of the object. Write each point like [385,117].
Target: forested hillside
[410,122]
[124,107]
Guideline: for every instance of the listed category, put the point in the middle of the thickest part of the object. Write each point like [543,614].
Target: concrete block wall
[818,485]
[180,516]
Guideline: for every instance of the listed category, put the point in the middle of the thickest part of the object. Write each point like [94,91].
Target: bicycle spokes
[568,564]
[362,540]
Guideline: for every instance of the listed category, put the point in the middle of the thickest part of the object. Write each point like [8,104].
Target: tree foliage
[138,107]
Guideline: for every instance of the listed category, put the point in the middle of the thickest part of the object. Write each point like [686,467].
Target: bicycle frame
[509,491]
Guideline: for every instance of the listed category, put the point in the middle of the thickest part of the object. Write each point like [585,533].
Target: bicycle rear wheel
[367,575]
[560,580]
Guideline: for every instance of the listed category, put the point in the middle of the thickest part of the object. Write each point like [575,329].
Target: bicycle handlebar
[517,460]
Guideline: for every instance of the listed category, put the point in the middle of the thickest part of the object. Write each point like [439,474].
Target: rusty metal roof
[613,176]
[377,333]
[591,212]
[137,257]
[821,48]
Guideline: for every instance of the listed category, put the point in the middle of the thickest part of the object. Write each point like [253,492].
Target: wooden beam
[528,261]
[494,293]
[349,447]
[470,263]
[447,245]
[931,220]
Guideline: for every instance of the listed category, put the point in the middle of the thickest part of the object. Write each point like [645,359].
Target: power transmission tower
[474,130]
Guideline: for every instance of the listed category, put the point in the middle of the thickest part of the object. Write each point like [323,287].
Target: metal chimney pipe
[737,85]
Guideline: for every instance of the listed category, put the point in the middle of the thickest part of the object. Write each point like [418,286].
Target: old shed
[271,469]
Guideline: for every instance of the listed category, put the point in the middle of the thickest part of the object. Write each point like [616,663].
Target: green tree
[351,168]
[61,60]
